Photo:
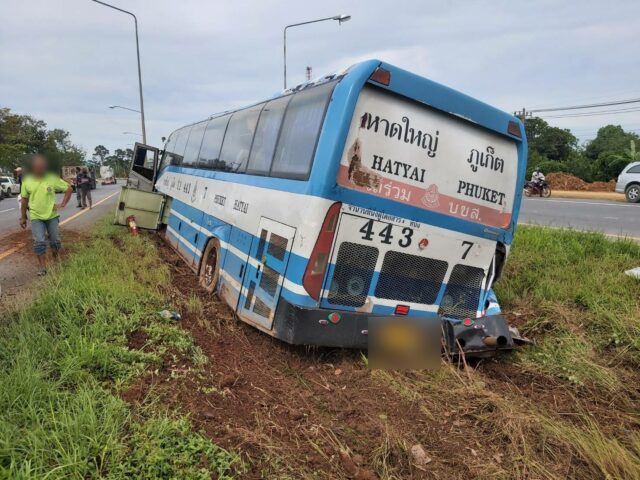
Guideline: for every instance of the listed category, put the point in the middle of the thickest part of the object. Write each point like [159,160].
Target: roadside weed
[62,357]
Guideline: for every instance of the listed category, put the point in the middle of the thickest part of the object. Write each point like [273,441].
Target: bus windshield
[411,153]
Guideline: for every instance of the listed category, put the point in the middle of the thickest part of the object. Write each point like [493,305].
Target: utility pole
[309,74]
[135,23]
[521,114]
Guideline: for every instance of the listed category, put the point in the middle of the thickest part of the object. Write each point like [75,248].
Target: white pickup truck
[8,186]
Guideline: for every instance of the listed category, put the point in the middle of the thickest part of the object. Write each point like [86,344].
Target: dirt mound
[565,181]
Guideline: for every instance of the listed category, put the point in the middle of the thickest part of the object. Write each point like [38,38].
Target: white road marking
[590,203]
[7,210]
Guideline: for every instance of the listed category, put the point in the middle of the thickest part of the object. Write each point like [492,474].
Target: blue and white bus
[370,192]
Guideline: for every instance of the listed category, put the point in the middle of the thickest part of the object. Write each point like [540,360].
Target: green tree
[22,135]
[611,138]
[610,164]
[120,161]
[552,143]
[100,154]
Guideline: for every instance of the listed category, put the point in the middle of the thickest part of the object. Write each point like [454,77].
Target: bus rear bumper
[297,325]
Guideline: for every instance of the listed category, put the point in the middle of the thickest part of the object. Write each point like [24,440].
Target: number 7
[466,252]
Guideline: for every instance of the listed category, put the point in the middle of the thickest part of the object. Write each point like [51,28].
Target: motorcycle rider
[537,179]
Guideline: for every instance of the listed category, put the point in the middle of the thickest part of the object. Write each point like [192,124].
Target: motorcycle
[537,188]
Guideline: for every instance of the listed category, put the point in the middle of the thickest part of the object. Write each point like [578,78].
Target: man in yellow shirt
[38,196]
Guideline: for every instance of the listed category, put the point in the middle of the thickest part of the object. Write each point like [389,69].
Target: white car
[9,186]
[629,182]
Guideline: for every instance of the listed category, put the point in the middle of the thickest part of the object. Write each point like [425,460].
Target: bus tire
[210,266]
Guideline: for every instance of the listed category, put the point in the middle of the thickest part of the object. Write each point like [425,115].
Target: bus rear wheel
[210,266]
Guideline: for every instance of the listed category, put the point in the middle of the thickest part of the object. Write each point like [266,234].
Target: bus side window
[264,142]
[300,131]
[212,143]
[180,145]
[193,145]
[238,139]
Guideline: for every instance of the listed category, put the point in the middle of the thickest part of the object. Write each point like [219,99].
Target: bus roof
[411,85]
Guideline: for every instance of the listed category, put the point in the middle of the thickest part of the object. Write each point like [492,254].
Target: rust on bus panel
[358,173]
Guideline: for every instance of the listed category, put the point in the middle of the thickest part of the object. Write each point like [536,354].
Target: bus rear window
[410,153]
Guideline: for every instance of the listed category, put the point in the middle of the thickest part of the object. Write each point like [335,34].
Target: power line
[592,105]
[593,114]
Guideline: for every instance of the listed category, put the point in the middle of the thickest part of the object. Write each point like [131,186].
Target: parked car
[9,187]
[629,182]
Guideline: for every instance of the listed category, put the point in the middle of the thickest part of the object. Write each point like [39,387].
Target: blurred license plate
[405,343]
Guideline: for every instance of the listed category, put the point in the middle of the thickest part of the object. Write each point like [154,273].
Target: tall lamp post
[135,21]
[340,18]
[124,108]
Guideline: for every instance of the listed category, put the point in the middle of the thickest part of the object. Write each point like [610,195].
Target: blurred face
[39,166]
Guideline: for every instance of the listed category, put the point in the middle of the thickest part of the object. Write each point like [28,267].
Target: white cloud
[65,61]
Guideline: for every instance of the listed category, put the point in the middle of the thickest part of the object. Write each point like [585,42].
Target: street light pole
[340,18]
[135,21]
[124,108]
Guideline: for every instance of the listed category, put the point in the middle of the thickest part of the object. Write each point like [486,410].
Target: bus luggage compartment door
[264,273]
[147,208]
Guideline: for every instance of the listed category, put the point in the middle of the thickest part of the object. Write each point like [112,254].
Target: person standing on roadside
[38,197]
[85,188]
[77,185]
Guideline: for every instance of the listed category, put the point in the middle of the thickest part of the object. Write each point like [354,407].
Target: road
[10,211]
[612,218]
[17,265]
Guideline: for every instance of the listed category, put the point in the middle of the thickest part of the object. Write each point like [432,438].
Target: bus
[372,192]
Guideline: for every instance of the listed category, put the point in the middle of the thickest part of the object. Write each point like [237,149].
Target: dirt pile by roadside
[564,181]
[296,412]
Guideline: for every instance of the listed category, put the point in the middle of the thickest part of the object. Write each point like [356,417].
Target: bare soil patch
[295,412]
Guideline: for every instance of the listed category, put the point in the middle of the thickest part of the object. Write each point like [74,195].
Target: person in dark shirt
[85,188]
[77,182]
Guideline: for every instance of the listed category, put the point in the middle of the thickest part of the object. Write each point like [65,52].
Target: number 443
[386,234]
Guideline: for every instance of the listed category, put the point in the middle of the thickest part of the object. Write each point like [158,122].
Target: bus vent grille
[247,302]
[261,243]
[277,246]
[410,278]
[352,274]
[261,308]
[462,295]
[269,280]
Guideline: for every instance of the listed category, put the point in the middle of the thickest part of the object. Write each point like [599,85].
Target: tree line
[553,149]
[24,135]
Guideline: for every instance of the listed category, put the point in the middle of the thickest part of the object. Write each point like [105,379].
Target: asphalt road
[612,218]
[10,211]
[18,266]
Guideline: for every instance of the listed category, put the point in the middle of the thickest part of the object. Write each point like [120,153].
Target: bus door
[144,168]
[265,271]
[138,198]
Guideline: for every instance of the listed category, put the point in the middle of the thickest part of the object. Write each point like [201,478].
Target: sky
[66,61]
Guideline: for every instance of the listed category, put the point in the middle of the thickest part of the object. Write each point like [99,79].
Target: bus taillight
[319,258]
[381,76]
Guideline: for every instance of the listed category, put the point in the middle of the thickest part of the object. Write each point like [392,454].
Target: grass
[567,290]
[571,288]
[64,358]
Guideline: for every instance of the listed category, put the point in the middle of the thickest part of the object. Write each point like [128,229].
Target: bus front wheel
[210,267]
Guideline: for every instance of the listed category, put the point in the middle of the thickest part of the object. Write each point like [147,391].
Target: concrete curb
[617,197]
